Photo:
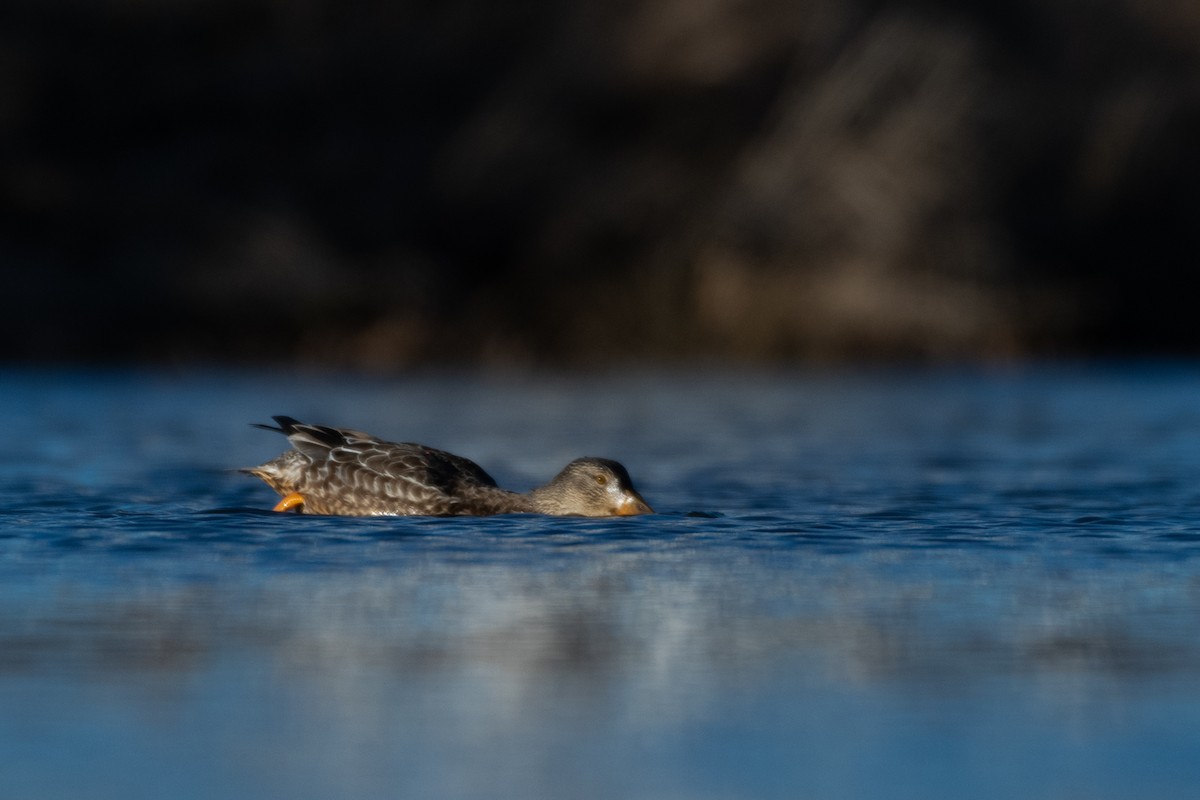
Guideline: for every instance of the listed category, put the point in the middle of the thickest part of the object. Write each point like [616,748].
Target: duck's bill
[632,504]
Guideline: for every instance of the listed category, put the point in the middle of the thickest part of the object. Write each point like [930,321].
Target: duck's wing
[406,461]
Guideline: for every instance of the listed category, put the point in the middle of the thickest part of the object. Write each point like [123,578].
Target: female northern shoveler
[337,471]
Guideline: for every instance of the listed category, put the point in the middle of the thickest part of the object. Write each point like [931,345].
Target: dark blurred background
[561,181]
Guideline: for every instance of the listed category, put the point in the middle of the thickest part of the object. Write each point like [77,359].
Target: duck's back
[340,471]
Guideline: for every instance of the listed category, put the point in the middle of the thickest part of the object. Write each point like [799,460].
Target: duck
[339,471]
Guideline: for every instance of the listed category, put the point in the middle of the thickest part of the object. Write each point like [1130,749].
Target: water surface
[863,583]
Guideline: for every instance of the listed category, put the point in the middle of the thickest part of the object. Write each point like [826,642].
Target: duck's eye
[603,481]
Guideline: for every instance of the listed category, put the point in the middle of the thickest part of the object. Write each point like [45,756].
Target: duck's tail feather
[312,440]
[286,425]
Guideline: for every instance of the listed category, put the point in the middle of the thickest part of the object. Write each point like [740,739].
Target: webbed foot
[293,500]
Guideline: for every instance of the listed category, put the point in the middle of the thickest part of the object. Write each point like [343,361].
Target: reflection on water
[929,585]
[619,612]
[539,676]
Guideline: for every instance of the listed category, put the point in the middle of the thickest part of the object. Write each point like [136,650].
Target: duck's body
[339,471]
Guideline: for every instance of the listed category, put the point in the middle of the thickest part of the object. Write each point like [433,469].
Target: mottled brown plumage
[340,471]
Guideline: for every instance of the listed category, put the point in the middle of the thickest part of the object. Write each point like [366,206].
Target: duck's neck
[549,499]
[485,500]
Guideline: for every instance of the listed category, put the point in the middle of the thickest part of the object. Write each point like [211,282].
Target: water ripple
[983,562]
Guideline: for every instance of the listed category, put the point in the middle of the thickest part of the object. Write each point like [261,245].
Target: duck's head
[591,487]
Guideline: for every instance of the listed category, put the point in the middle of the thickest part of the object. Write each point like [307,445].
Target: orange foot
[293,500]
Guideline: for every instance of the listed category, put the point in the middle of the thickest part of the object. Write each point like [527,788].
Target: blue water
[863,583]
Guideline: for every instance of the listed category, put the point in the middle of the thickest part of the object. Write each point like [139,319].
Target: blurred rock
[560,182]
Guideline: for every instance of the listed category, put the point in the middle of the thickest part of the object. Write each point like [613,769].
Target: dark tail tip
[286,425]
